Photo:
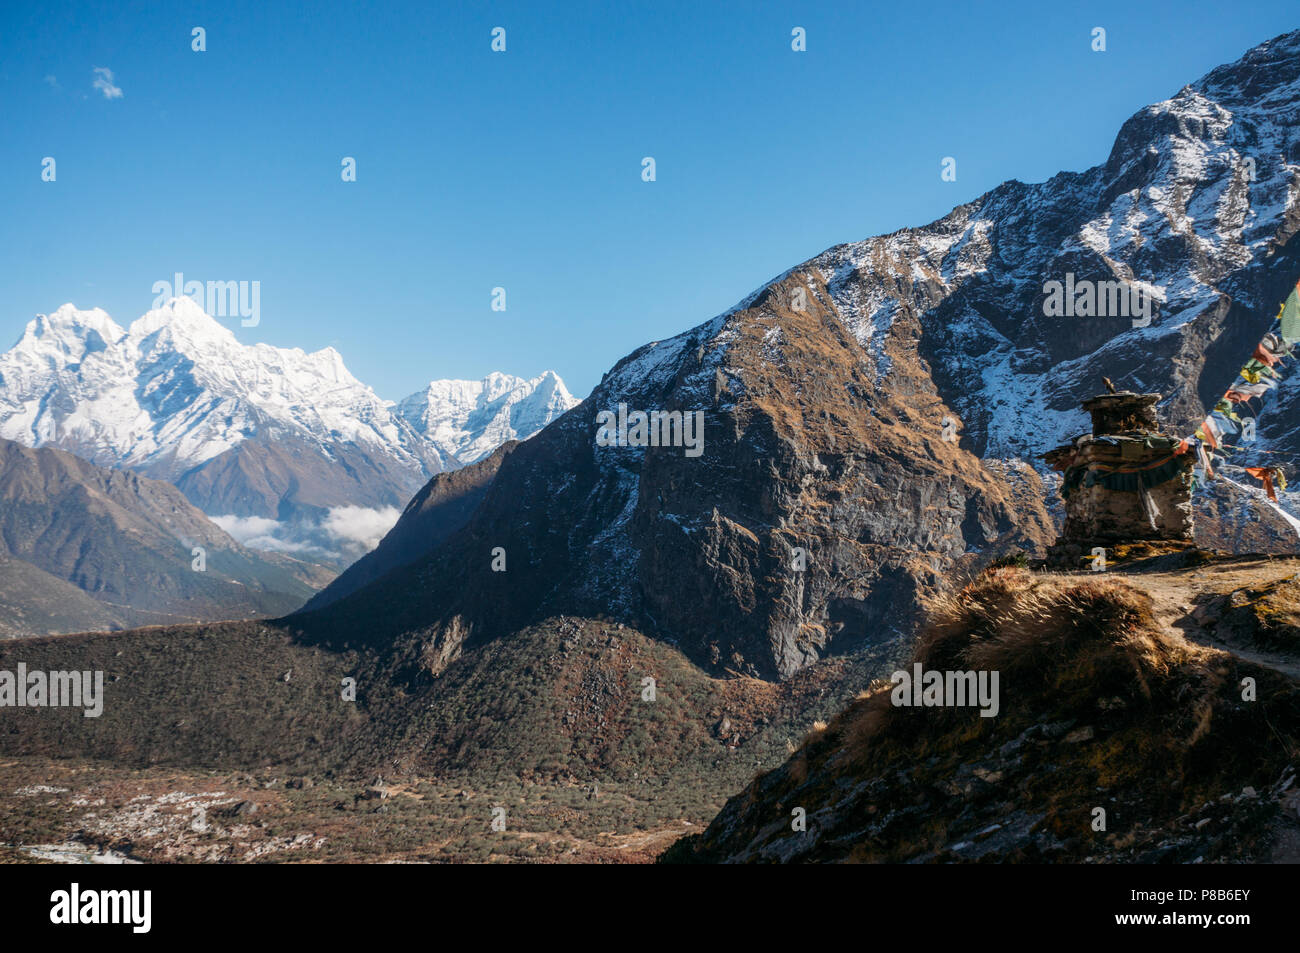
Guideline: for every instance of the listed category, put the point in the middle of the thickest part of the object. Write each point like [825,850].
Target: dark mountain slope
[126,542]
[443,506]
[563,703]
[802,448]
[284,477]
[32,602]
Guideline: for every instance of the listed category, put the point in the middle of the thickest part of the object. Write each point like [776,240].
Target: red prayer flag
[1263,356]
[1265,476]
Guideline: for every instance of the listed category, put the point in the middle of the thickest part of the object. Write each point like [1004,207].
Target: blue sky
[522,169]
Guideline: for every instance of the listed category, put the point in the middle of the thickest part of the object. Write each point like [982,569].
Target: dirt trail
[1177,595]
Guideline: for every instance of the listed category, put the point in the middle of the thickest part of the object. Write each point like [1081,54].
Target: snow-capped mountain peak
[183,321]
[69,333]
[473,418]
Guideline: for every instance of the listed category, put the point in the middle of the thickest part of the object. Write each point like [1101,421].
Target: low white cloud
[247,530]
[359,524]
[344,533]
[52,80]
[105,84]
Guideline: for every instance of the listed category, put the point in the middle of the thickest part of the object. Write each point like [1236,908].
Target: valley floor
[62,811]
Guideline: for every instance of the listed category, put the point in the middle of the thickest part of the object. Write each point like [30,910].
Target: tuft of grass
[1015,560]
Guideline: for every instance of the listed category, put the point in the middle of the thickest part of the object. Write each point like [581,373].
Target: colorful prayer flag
[1290,317]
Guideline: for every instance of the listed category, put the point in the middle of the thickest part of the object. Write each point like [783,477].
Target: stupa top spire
[1123,412]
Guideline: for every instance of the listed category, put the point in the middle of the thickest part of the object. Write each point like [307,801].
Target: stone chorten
[1123,482]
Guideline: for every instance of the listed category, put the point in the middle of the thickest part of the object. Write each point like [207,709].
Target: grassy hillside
[1104,706]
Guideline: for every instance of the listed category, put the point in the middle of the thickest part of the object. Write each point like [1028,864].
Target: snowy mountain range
[286,449]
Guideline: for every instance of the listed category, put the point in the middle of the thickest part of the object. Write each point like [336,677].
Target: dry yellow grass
[1059,645]
[1103,702]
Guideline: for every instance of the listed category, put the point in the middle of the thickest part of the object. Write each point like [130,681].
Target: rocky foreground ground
[1149,714]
